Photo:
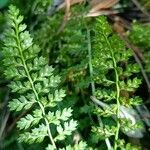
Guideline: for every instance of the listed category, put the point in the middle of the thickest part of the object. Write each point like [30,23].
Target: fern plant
[70,57]
[139,35]
[113,74]
[36,85]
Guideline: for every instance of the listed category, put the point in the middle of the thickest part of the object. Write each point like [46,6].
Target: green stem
[33,87]
[90,61]
[118,93]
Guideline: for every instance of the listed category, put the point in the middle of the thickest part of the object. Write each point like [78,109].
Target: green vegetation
[69,82]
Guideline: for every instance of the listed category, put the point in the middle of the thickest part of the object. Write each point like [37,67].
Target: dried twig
[72,2]
[105,4]
[65,17]
[101,12]
[138,61]
[138,5]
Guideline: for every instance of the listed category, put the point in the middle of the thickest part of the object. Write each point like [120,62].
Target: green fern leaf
[35,83]
[112,72]
[66,130]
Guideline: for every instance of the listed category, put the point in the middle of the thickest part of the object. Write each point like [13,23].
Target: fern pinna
[37,86]
[115,85]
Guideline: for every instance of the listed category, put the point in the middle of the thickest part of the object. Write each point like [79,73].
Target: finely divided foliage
[139,35]
[113,74]
[37,86]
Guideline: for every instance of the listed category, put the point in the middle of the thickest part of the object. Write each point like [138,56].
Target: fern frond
[112,72]
[37,85]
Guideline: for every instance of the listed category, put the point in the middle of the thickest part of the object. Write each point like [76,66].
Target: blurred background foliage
[64,43]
